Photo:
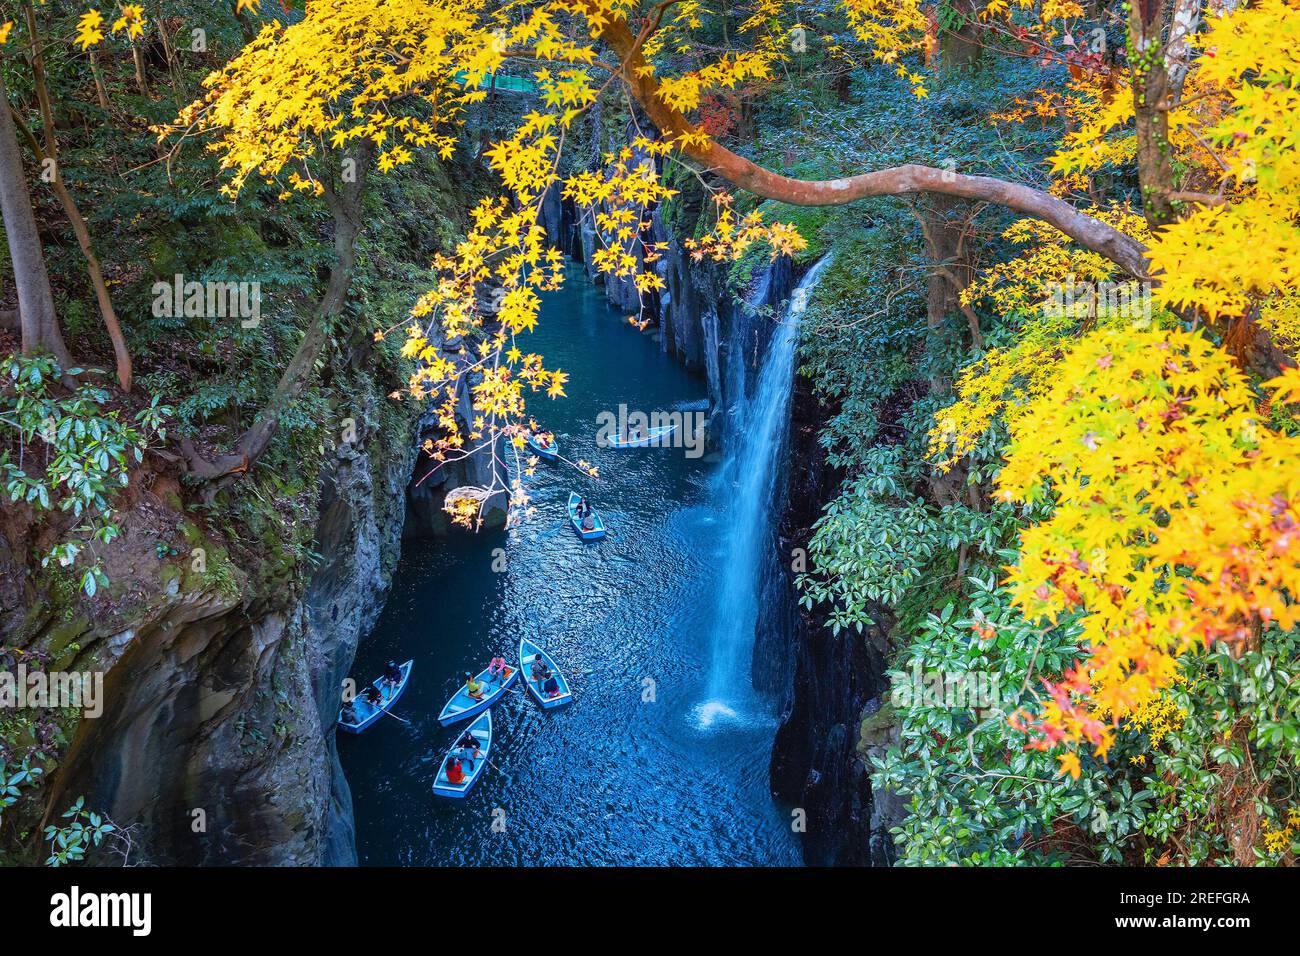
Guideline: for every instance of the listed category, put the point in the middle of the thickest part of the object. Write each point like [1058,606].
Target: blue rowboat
[528,652]
[367,713]
[482,731]
[550,452]
[462,705]
[596,533]
[652,437]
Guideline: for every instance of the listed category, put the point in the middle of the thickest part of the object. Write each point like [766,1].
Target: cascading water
[747,485]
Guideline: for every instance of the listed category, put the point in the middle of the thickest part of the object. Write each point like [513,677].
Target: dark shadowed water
[615,778]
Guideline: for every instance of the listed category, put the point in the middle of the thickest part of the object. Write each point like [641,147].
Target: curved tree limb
[344,201]
[1093,234]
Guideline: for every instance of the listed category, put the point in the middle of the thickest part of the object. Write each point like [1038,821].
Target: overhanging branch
[1091,233]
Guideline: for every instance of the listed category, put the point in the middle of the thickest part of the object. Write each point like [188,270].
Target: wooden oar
[389,713]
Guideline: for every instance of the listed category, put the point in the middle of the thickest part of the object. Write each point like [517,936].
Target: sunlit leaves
[90,29]
[1223,258]
[1175,518]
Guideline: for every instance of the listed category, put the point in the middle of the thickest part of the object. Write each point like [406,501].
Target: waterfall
[746,489]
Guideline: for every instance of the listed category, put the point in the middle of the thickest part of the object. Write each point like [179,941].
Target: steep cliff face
[827,679]
[360,529]
[221,690]
[832,683]
[427,485]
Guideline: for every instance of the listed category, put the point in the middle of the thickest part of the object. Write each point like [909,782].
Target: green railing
[504,82]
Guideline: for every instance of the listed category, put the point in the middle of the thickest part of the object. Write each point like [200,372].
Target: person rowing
[392,676]
[539,671]
[583,509]
[469,748]
[372,696]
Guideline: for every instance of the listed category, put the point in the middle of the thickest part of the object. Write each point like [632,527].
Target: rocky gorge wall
[216,744]
[834,683]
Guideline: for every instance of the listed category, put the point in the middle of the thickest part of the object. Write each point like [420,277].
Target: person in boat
[582,509]
[589,522]
[455,773]
[372,696]
[539,671]
[497,668]
[552,687]
[392,675]
[348,713]
[473,686]
[543,439]
[468,746]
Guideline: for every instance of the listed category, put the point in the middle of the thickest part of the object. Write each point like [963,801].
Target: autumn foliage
[1174,500]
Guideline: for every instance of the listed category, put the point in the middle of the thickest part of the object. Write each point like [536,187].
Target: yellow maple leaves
[1224,258]
[732,235]
[1176,518]
[90,26]
[131,21]
[90,29]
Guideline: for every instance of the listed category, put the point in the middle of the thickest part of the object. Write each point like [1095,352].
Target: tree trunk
[169,48]
[1178,52]
[944,225]
[101,91]
[40,323]
[345,204]
[960,48]
[50,153]
[1150,80]
[141,83]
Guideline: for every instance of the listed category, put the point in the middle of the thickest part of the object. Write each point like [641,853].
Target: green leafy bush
[67,452]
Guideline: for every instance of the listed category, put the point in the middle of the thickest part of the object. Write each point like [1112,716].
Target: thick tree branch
[1093,234]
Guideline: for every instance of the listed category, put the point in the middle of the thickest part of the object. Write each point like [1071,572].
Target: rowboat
[550,452]
[462,705]
[368,713]
[482,730]
[596,533]
[528,652]
[653,437]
